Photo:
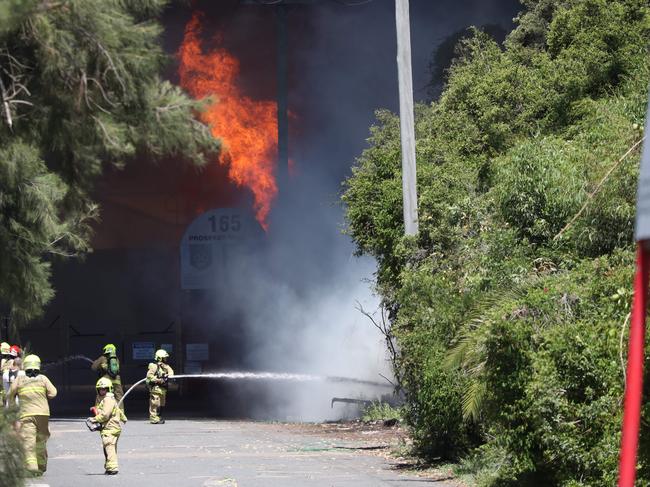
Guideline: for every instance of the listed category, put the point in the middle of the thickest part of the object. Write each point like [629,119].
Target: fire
[248,128]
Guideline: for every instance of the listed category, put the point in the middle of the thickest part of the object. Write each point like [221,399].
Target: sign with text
[143,350]
[209,243]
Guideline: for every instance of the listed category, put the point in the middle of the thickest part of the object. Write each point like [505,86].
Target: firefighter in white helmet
[108,417]
[33,390]
[12,369]
[158,375]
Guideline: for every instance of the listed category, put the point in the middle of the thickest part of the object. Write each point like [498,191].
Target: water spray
[264,376]
[66,360]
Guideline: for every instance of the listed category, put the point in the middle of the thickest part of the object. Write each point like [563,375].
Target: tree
[79,90]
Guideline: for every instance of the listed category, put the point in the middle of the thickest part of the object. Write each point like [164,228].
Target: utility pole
[407,124]
[283,118]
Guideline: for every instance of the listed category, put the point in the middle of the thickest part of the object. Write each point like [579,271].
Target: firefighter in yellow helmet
[157,379]
[33,390]
[108,418]
[108,365]
[4,353]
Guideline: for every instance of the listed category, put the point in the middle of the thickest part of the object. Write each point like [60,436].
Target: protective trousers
[34,431]
[156,401]
[109,443]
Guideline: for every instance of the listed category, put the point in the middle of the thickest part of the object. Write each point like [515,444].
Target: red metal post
[634,384]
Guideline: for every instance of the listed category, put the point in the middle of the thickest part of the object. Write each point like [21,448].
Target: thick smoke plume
[291,304]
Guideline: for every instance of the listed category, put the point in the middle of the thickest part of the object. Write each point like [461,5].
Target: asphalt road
[211,453]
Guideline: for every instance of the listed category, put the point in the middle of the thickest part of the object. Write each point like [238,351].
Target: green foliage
[510,313]
[79,90]
[381,411]
[555,409]
[30,226]
[11,452]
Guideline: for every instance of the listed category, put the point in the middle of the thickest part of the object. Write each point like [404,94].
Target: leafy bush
[510,306]
[11,452]
[381,411]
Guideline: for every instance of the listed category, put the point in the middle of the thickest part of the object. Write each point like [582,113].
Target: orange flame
[248,128]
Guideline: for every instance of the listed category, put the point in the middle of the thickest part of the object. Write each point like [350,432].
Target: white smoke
[299,320]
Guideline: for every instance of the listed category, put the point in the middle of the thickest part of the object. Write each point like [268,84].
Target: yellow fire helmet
[161,354]
[4,348]
[110,349]
[104,383]
[32,362]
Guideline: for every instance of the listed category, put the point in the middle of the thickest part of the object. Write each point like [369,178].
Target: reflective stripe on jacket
[33,393]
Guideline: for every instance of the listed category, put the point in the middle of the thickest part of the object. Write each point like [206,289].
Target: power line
[352,4]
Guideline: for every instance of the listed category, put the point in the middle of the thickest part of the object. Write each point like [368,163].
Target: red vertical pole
[634,383]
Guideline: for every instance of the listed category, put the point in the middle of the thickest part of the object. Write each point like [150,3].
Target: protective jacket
[7,363]
[108,415]
[33,393]
[5,387]
[157,375]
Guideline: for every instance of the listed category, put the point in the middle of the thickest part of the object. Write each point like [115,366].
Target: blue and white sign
[143,350]
[208,243]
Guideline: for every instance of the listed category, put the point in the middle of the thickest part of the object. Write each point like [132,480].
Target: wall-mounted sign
[209,241]
[143,350]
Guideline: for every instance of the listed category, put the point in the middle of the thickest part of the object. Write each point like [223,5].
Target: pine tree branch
[49,5]
[8,92]
[104,95]
[110,139]
[5,104]
[108,57]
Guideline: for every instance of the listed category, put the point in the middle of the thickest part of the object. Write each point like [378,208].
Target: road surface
[218,453]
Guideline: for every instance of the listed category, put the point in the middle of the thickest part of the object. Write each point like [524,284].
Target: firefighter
[108,365]
[4,359]
[14,371]
[157,379]
[108,417]
[12,368]
[15,352]
[34,390]
[4,353]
